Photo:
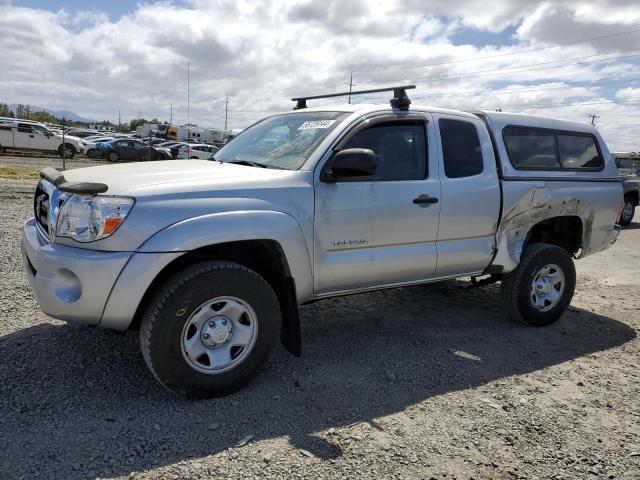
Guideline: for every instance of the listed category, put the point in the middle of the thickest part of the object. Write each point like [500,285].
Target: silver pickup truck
[210,259]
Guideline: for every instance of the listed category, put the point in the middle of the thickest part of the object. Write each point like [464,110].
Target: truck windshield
[283,141]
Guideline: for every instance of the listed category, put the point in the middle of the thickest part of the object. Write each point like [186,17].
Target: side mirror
[351,162]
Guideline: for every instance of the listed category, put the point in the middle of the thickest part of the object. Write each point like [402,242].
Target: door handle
[424,198]
[31,136]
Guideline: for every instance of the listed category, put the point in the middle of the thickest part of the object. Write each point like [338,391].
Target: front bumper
[70,283]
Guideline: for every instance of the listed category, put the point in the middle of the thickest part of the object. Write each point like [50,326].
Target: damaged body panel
[582,203]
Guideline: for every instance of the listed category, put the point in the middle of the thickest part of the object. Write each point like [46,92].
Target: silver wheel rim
[547,287]
[113,157]
[219,335]
[626,211]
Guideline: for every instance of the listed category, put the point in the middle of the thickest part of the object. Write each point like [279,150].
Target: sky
[563,59]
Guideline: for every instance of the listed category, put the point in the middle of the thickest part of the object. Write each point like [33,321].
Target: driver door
[376,230]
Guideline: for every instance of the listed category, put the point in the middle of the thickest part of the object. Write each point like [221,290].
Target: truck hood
[173,176]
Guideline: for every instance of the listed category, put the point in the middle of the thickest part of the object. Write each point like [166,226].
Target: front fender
[217,228]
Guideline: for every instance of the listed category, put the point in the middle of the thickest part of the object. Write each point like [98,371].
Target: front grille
[41,207]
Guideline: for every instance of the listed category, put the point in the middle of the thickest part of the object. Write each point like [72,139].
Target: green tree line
[27,112]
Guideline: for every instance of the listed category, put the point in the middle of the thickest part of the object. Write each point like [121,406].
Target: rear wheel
[540,289]
[210,329]
[628,211]
[92,153]
[113,156]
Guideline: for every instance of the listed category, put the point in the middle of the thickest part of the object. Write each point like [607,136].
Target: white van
[28,135]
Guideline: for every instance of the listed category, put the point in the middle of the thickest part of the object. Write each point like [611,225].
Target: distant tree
[124,128]
[22,112]
[43,117]
[4,110]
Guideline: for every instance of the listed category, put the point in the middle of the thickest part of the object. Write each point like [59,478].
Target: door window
[400,148]
[461,150]
[40,130]
[25,128]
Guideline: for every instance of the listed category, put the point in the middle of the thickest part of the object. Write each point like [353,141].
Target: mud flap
[290,335]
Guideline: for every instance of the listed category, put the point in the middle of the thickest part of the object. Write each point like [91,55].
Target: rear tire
[628,211]
[540,289]
[113,156]
[187,315]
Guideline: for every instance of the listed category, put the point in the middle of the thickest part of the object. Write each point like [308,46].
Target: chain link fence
[29,160]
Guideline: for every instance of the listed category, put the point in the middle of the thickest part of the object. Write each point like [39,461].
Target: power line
[515,69]
[537,49]
[573,104]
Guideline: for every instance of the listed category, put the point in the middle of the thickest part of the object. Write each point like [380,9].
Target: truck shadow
[80,403]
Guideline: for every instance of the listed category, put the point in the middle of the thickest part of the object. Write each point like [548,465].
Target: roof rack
[400,99]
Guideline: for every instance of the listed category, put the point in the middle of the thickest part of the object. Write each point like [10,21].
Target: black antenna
[400,99]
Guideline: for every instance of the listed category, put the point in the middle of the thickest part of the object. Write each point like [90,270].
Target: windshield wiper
[246,162]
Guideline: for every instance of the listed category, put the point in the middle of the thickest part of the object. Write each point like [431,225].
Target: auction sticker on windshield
[316,124]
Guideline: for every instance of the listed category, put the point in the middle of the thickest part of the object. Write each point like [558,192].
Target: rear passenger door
[470,205]
[139,150]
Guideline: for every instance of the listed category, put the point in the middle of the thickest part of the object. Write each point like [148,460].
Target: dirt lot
[422,382]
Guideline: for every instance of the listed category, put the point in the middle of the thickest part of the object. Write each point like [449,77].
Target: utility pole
[226,112]
[171,115]
[350,85]
[593,118]
[64,147]
[119,121]
[188,106]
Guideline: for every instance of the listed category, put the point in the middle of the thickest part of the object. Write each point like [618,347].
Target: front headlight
[87,218]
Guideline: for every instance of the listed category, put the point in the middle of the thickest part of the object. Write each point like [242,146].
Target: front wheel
[628,211]
[210,329]
[540,289]
[67,151]
[113,157]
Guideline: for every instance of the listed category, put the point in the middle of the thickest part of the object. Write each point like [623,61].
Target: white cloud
[261,53]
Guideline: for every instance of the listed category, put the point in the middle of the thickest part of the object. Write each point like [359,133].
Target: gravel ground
[421,382]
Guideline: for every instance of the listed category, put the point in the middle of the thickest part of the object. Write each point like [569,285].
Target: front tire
[540,289]
[67,150]
[628,211]
[113,156]
[210,329]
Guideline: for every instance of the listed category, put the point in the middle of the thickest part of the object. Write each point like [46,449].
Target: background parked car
[28,135]
[122,149]
[82,133]
[91,145]
[197,150]
[629,169]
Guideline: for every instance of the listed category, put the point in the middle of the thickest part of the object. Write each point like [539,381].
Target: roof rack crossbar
[400,99]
